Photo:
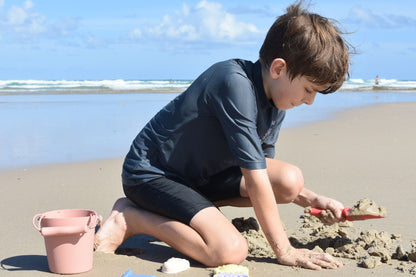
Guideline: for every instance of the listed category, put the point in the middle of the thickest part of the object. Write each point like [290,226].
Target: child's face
[287,94]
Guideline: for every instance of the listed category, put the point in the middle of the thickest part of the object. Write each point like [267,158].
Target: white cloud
[362,16]
[173,28]
[262,11]
[28,4]
[63,27]
[24,23]
[185,9]
[135,34]
[206,21]
[16,16]
[95,42]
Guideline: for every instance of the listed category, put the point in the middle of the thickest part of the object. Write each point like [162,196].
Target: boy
[213,145]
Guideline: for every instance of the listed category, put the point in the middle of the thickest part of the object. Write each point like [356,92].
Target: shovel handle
[318,212]
[315,212]
[346,214]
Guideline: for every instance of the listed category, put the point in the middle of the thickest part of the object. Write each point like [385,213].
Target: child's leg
[285,178]
[210,238]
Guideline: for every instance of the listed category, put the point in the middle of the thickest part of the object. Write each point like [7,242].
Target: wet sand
[366,152]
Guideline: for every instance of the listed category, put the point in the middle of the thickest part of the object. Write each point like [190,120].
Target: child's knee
[292,183]
[235,251]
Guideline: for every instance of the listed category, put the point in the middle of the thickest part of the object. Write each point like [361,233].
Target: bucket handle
[59,230]
[36,221]
[94,220]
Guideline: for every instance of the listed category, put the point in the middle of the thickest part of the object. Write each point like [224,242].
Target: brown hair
[311,45]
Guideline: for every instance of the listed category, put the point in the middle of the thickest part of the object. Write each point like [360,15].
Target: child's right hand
[308,259]
[323,202]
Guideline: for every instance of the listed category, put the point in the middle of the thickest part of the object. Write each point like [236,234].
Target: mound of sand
[369,248]
[367,207]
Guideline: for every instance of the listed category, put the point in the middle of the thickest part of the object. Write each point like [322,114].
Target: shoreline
[103,91]
[360,152]
[91,92]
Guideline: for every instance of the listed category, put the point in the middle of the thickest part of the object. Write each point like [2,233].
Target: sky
[171,39]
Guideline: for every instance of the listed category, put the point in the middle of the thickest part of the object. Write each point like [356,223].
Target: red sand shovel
[346,214]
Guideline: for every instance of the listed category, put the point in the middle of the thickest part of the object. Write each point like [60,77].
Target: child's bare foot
[113,231]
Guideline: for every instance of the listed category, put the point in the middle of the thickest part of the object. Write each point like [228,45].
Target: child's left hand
[326,203]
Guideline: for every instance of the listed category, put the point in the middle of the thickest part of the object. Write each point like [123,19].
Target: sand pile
[367,207]
[258,246]
[363,209]
[369,248]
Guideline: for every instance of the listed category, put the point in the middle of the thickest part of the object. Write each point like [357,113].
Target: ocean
[15,87]
[68,121]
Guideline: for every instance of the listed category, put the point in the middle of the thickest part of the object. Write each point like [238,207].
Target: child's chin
[286,108]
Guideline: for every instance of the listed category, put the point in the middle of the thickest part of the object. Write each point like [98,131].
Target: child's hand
[308,259]
[326,203]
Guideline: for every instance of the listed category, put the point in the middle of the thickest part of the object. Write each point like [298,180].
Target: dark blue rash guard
[223,119]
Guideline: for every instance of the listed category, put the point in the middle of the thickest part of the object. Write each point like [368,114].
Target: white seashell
[175,265]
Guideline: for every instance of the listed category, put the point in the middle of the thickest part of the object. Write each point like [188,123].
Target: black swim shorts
[179,201]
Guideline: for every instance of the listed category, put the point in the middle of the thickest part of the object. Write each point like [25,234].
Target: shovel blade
[346,214]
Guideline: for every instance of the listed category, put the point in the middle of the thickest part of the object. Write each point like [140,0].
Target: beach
[355,153]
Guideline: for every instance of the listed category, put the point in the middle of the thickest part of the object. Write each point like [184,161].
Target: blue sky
[171,39]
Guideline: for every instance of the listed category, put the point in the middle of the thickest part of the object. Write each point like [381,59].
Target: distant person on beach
[214,145]
[376,80]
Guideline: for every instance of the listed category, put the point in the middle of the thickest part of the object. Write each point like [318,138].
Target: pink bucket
[69,239]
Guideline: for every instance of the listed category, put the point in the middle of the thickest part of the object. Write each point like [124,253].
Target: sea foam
[120,86]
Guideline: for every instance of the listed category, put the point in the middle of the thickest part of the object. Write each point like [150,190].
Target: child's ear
[277,67]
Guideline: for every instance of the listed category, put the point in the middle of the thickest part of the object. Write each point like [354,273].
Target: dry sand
[366,152]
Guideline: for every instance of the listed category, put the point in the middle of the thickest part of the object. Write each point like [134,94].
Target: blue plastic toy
[226,274]
[128,273]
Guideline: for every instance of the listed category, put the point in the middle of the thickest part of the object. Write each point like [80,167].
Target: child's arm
[265,207]
[309,198]
[262,198]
